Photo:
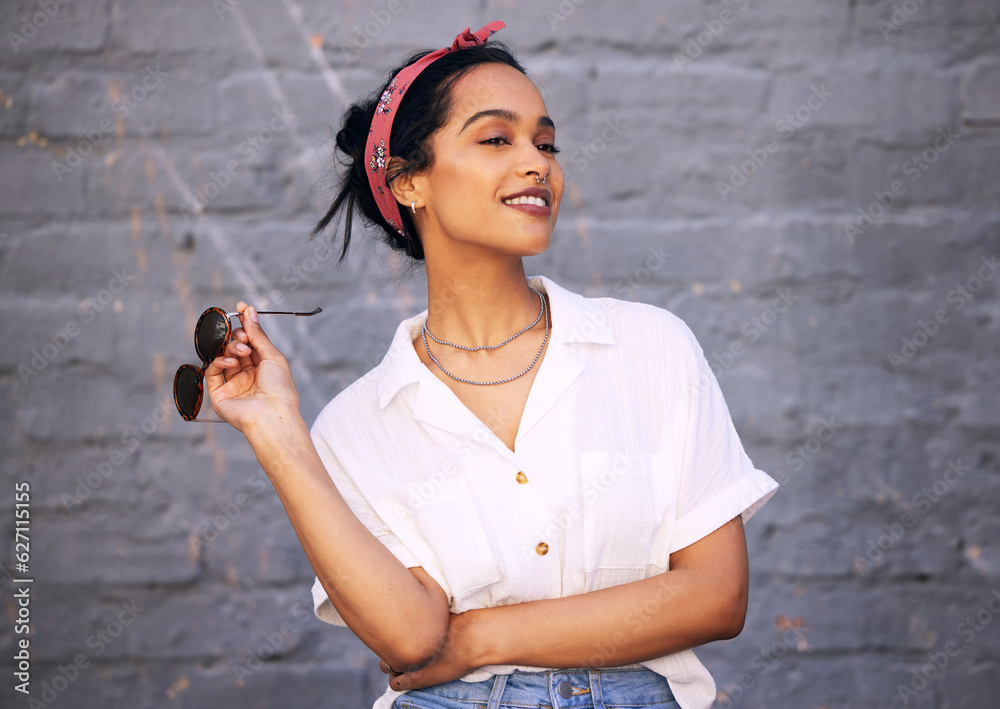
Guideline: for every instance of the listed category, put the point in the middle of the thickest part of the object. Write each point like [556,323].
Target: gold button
[542,549]
[521,477]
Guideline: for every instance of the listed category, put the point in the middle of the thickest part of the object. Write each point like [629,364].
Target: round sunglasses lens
[213,331]
[188,391]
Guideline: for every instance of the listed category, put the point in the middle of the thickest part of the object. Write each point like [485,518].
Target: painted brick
[654,112]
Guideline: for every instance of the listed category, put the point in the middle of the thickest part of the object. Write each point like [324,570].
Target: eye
[497,140]
[549,148]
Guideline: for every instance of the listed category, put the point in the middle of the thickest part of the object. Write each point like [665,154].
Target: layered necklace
[542,312]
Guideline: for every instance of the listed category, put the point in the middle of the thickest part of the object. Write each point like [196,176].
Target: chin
[530,244]
[538,247]
[539,238]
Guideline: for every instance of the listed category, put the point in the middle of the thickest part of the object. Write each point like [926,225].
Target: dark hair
[423,110]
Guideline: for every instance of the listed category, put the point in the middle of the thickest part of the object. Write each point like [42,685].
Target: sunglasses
[211,335]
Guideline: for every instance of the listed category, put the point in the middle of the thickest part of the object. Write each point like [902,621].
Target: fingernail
[240,347]
[253,313]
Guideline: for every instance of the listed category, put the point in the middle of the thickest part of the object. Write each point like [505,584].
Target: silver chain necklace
[541,302]
[545,339]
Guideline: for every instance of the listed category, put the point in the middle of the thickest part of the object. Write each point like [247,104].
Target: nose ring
[540,180]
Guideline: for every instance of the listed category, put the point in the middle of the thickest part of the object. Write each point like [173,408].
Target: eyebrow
[507,115]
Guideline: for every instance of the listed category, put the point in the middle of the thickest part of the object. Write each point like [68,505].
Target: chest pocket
[625,501]
[439,522]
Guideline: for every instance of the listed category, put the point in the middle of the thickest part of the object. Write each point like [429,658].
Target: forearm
[701,599]
[622,625]
[387,607]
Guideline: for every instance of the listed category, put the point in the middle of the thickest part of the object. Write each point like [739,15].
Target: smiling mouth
[536,201]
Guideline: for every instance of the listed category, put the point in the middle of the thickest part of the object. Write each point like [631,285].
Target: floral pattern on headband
[385,102]
[378,157]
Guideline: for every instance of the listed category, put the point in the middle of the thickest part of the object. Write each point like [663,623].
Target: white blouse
[626,453]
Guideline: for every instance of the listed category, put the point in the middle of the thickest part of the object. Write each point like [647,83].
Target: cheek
[458,183]
[460,198]
[560,190]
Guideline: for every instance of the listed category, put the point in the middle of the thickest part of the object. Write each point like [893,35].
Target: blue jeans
[615,688]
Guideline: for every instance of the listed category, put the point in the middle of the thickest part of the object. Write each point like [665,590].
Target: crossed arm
[402,614]
[702,598]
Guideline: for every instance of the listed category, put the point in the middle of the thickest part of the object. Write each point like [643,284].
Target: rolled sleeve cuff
[743,497]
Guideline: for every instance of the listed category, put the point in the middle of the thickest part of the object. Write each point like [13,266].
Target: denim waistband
[631,687]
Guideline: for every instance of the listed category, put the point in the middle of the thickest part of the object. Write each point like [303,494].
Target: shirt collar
[575,320]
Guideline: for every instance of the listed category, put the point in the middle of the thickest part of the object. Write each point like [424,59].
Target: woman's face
[497,143]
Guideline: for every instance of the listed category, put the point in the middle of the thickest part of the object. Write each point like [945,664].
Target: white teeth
[537,201]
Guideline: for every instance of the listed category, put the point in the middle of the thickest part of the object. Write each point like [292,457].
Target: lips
[533,200]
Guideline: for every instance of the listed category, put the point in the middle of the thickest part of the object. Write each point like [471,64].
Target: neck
[480,306]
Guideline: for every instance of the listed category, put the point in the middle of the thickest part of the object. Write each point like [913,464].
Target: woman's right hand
[250,382]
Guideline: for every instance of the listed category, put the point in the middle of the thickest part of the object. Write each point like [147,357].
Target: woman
[493,509]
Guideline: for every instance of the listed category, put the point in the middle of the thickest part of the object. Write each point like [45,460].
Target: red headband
[378,141]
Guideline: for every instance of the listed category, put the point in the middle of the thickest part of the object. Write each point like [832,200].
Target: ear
[408,188]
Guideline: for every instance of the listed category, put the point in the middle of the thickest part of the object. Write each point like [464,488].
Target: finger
[256,338]
[236,348]
[215,373]
[241,351]
[238,331]
[240,335]
[387,670]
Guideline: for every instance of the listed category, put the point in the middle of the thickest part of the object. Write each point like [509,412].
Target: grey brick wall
[813,186]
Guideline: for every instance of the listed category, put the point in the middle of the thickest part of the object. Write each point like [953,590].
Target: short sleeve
[717,481]
[364,511]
